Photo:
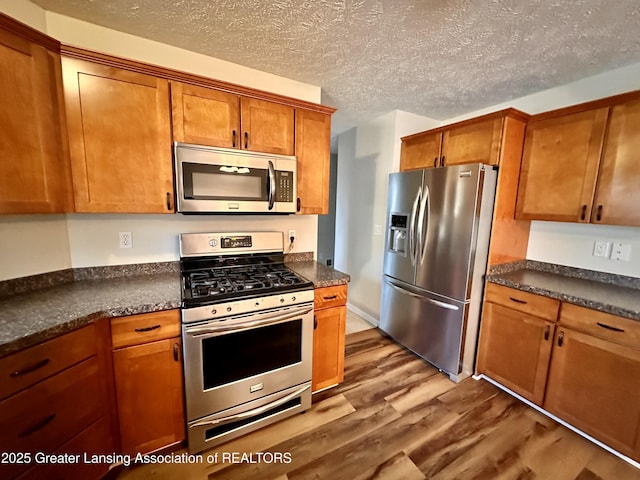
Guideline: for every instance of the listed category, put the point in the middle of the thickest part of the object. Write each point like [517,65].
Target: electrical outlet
[125,240]
[621,251]
[601,248]
[292,233]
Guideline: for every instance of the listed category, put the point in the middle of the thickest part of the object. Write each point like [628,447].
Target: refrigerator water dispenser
[398,234]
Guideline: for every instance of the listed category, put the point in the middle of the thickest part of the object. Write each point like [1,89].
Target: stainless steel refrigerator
[437,241]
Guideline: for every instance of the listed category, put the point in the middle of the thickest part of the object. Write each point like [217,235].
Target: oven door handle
[251,413]
[268,320]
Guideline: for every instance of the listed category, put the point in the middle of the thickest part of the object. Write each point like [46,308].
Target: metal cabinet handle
[561,339]
[176,352]
[517,300]
[37,426]
[332,297]
[315,322]
[147,329]
[435,162]
[246,139]
[30,368]
[547,331]
[233,138]
[298,204]
[599,213]
[169,201]
[442,161]
[583,212]
[609,327]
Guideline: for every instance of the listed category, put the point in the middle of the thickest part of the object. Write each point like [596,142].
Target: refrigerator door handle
[413,247]
[448,306]
[423,231]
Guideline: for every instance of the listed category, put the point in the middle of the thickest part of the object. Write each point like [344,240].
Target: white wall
[571,244]
[38,244]
[93,239]
[366,156]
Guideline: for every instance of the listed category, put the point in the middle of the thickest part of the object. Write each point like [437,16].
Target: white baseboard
[559,420]
[365,316]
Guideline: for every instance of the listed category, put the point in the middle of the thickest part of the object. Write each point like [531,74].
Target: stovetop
[209,281]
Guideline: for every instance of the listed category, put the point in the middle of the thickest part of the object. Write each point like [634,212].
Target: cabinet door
[205,116]
[593,385]
[149,388]
[328,347]
[120,139]
[313,144]
[35,176]
[559,167]
[473,143]
[618,195]
[515,349]
[420,151]
[266,127]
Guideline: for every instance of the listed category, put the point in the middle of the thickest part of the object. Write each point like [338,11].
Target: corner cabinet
[147,361]
[313,144]
[35,176]
[579,164]
[330,318]
[120,138]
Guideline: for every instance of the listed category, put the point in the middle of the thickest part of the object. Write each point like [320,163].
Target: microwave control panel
[284,188]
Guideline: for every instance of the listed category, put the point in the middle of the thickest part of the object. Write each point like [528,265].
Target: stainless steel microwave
[222,180]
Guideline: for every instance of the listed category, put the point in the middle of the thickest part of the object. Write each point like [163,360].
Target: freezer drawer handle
[448,306]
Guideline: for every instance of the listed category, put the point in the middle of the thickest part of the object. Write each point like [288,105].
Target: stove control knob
[257,304]
[214,311]
[281,300]
[293,299]
[228,309]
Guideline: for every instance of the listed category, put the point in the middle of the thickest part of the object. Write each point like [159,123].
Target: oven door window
[224,182]
[239,355]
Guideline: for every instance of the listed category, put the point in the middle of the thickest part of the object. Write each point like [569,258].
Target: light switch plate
[621,251]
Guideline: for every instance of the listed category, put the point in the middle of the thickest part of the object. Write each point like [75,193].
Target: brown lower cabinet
[58,398]
[586,374]
[330,318]
[149,382]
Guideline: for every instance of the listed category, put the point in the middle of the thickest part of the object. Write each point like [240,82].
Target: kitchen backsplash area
[34,244]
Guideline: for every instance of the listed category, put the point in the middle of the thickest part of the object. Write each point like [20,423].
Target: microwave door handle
[271,185]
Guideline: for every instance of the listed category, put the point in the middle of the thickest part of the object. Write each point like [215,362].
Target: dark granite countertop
[319,274]
[608,293]
[33,317]
[38,308]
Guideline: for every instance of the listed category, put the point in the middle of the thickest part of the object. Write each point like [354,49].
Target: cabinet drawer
[327,297]
[603,325]
[25,368]
[144,328]
[526,302]
[43,417]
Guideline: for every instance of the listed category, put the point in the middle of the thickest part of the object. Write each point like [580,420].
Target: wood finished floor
[396,417]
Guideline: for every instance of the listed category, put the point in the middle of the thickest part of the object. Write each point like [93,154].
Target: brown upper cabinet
[477,140]
[313,143]
[206,116]
[34,171]
[120,138]
[579,164]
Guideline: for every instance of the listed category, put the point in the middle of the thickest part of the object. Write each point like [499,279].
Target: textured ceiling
[438,58]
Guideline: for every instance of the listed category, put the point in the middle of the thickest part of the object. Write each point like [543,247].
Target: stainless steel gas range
[247,328]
